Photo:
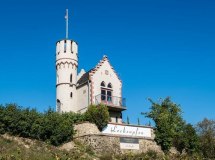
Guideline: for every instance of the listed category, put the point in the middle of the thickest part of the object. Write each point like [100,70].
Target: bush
[51,127]
[98,115]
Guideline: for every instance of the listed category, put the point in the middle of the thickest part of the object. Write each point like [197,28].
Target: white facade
[75,92]
[66,68]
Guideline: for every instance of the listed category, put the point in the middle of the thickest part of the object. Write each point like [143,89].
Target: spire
[67,23]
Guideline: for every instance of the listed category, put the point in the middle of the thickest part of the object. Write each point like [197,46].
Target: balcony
[113,103]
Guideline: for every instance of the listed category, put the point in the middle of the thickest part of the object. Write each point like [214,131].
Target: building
[76,91]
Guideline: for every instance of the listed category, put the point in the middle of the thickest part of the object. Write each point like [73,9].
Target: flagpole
[67,24]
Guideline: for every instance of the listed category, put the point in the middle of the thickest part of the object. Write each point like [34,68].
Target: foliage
[206,132]
[168,121]
[128,121]
[171,130]
[52,127]
[187,140]
[98,114]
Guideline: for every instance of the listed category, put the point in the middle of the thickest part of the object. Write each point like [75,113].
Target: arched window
[106,92]
[103,91]
[71,94]
[103,84]
[70,78]
[58,105]
[109,85]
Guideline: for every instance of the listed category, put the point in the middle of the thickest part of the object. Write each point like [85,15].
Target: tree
[168,122]
[128,122]
[98,114]
[187,140]
[206,132]
[138,121]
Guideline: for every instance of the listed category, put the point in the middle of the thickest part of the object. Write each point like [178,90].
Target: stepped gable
[87,75]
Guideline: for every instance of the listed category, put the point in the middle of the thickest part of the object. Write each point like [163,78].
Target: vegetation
[206,132]
[50,127]
[98,115]
[168,122]
[11,149]
[172,131]
[54,129]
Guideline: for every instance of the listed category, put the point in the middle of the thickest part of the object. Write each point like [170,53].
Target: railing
[111,100]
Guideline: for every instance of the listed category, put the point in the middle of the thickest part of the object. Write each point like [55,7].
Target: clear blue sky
[159,48]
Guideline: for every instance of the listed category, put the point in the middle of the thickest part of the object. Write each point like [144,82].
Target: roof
[84,78]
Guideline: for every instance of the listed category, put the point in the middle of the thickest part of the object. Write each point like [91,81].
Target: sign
[129,143]
[124,130]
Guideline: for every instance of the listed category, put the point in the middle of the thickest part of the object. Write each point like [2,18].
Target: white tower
[66,72]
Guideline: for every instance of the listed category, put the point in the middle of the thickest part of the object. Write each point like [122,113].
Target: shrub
[98,114]
[50,126]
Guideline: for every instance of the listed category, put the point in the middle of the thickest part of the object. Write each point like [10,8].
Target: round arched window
[109,85]
[103,84]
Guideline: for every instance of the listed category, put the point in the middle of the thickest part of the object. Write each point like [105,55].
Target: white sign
[129,143]
[127,130]
[129,146]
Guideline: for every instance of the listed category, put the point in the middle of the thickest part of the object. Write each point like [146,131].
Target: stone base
[88,134]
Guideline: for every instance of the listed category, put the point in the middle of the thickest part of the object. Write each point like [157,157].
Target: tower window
[71,47]
[58,105]
[71,95]
[65,46]
[70,78]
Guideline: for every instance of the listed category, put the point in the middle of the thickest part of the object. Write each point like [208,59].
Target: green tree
[168,122]
[206,132]
[128,121]
[187,140]
[98,114]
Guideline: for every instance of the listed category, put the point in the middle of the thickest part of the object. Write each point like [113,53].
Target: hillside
[22,148]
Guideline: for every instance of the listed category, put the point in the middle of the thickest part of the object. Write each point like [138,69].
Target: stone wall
[88,134]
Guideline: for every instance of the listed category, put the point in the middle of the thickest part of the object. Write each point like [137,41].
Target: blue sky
[159,49]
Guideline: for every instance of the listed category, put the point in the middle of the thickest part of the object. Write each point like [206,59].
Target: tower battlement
[67,49]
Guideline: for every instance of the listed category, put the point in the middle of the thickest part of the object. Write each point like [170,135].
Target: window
[106,92]
[70,78]
[109,92]
[58,105]
[103,92]
[109,85]
[71,95]
[65,46]
[103,84]
[109,95]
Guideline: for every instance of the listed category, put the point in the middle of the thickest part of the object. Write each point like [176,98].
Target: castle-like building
[76,91]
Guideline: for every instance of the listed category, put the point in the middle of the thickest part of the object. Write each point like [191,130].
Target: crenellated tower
[66,68]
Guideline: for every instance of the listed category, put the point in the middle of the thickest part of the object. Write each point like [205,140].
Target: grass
[25,149]
[12,150]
